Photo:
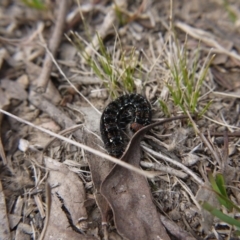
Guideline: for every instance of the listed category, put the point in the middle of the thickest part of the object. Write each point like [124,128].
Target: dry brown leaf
[14,220]
[99,167]
[227,80]
[175,230]
[70,192]
[13,89]
[130,197]
[51,125]
[23,232]
[58,227]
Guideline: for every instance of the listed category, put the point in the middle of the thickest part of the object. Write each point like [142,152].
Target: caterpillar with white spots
[131,109]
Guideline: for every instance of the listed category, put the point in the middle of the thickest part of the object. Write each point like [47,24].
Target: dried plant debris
[131,205]
[62,64]
[68,212]
[5,227]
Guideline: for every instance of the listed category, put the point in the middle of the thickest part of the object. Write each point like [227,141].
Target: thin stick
[222,124]
[167,159]
[204,36]
[53,46]
[221,134]
[229,94]
[215,155]
[48,209]
[91,150]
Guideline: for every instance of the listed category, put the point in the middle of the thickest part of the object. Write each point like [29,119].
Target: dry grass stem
[206,142]
[167,159]
[190,193]
[207,38]
[48,210]
[98,153]
[222,124]
[165,169]
[229,94]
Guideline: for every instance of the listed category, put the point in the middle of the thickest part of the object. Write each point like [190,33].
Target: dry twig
[165,158]
[80,145]
[54,42]
[207,39]
[48,204]
[215,155]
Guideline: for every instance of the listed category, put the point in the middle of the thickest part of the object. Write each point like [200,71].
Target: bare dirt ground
[59,68]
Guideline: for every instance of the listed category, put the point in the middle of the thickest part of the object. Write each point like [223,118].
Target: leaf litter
[99,208]
[121,189]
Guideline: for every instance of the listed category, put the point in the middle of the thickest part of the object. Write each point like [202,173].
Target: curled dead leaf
[130,197]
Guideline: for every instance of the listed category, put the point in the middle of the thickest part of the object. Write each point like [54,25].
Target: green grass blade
[195,100]
[173,93]
[217,213]
[233,17]
[229,202]
[236,233]
[96,69]
[37,4]
[221,184]
[164,108]
[218,186]
[103,50]
[216,189]
[205,109]
[204,72]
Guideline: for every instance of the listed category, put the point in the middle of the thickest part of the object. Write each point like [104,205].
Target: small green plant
[117,74]
[37,4]
[219,187]
[164,108]
[185,88]
[231,14]
[120,16]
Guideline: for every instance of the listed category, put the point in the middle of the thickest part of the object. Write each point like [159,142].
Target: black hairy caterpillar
[131,109]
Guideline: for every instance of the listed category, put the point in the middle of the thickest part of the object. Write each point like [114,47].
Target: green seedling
[231,14]
[185,88]
[116,74]
[120,16]
[128,67]
[219,187]
[222,216]
[37,4]
[164,108]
